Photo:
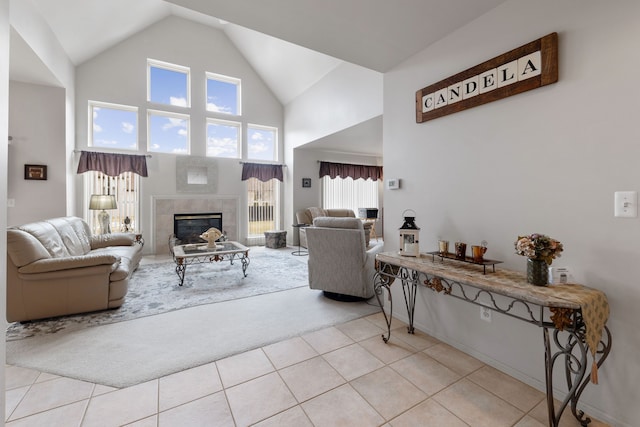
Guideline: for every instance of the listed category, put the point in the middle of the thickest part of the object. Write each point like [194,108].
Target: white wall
[29,23]
[4,135]
[548,160]
[37,126]
[348,95]
[118,75]
[345,97]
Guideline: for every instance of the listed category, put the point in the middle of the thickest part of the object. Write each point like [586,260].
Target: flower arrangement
[538,246]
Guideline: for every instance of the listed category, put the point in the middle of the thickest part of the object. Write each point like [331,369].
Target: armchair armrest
[57,264]
[113,239]
[375,249]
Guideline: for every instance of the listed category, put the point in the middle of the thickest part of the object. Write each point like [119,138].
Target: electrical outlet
[485,314]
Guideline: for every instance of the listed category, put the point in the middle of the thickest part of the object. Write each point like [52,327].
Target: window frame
[170,67]
[274,129]
[112,106]
[222,122]
[181,116]
[225,79]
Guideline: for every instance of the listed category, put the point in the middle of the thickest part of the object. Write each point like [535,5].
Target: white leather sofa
[56,267]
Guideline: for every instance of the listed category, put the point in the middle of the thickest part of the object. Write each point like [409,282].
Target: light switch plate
[626,204]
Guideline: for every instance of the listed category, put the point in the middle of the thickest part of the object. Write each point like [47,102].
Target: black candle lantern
[409,236]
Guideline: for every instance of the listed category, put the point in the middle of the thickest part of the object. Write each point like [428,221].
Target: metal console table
[560,310]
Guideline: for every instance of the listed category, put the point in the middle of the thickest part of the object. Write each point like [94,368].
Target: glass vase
[537,272]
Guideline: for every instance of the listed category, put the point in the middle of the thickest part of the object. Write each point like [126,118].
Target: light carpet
[154,289]
[120,348]
[131,352]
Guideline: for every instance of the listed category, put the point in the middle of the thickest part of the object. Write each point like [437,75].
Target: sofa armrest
[68,263]
[112,239]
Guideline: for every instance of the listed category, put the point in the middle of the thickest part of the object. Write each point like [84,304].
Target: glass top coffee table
[184,255]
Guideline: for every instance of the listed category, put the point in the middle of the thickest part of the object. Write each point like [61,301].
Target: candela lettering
[518,70]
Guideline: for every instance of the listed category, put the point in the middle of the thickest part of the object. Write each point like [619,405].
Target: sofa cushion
[48,236]
[317,212]
[116,239]
[23,248]
[341,212]
[74,233]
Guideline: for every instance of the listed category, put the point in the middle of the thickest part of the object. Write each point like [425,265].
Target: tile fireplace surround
[165,206]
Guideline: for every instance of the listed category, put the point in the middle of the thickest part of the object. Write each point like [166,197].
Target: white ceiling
[304,39]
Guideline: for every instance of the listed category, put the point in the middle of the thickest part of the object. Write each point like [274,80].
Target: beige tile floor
[338,376]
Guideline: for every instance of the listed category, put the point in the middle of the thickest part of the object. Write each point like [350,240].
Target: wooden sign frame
[527,67]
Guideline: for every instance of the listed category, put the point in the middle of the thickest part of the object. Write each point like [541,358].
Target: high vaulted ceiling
[304,39]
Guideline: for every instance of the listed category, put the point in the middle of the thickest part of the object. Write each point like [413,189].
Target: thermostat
[393,184]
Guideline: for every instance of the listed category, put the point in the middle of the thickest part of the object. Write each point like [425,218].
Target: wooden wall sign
[528,67]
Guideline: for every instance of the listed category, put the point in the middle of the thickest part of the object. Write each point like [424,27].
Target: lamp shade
[102,201]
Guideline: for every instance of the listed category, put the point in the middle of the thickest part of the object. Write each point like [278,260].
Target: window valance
[344,170]
[112,164]
[261,171]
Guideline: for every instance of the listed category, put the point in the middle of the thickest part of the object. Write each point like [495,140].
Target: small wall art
[306,182]
[36,172]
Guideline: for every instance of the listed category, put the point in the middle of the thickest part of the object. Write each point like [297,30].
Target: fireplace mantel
[164,207]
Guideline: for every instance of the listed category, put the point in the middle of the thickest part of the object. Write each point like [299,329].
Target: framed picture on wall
[306,182]
[37,172]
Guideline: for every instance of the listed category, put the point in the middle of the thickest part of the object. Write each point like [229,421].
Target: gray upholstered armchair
[339,262]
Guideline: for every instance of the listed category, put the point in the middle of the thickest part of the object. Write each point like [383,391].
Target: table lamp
[101,202]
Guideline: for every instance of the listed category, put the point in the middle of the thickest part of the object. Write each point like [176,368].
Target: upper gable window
[262,143]
[223,94]
[168,84]
[168,132]
[113,126]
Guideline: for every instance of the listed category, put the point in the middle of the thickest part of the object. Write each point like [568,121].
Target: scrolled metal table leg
[409,289]
[379,284]
[576,360]
[180,271]
[548,375]
[245,263]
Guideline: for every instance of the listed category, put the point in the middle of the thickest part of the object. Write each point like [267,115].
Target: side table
[299,251]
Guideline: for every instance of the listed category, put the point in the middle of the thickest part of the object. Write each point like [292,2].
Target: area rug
[154,289]
[130,352]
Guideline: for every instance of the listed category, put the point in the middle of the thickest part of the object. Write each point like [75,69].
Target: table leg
[381,282]
[245,263]
[576,360]
[409,289]
[181,268]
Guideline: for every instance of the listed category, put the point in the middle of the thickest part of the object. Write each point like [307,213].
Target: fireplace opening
[188,227]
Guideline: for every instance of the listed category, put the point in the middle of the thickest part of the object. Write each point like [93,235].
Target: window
[223,94]
[262,143]
[113,126]
[168,132]
[223,138]
[168,84]
[263,208]
[348,193]
[126,189]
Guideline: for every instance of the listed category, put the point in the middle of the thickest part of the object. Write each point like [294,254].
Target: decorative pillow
[316,212]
